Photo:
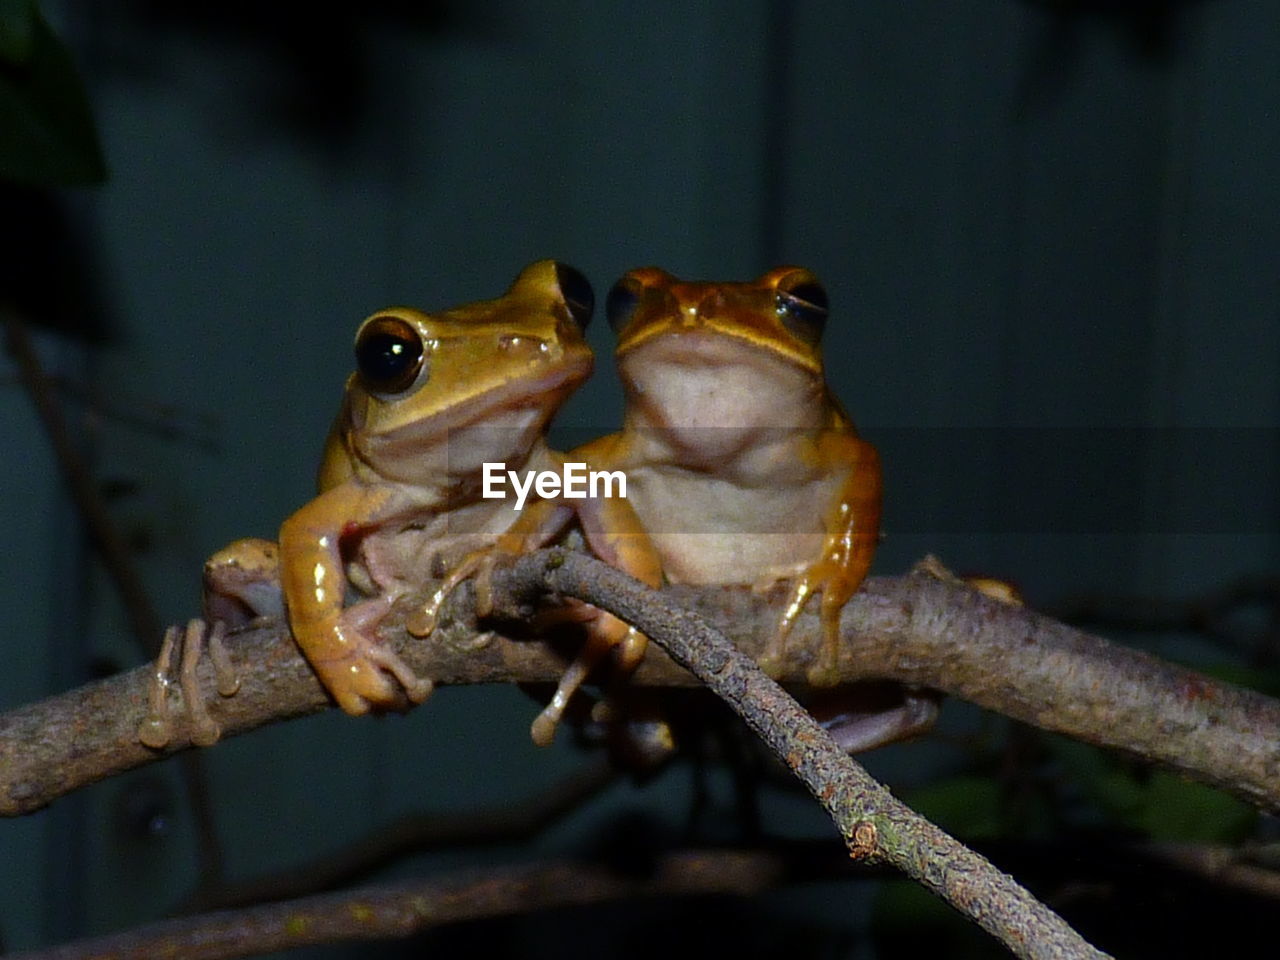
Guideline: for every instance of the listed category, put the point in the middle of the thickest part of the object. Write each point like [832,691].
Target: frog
[742,466]
[433,398]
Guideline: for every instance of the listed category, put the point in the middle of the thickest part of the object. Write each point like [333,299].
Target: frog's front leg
[540,523]
[852,528]
[359,672]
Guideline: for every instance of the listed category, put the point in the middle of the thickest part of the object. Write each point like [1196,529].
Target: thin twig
[1222,866]
[119,564]
[146,626]
[875,826]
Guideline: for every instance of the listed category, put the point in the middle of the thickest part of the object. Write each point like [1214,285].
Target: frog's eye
[802,307]
[388,355]
[577,293]
[622,302]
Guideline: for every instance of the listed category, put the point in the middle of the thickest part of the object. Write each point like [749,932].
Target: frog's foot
[368,675]
[775,651]
[639,736]
[864,716]
[930,566]
[157,728]
[605,633]
[373,679]
[828,580]
[996,589]
[478,564]
[793,576]
[772,576]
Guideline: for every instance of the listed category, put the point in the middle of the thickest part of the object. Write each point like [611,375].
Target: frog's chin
[726,400]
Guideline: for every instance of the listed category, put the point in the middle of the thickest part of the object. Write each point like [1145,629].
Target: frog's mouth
[501,423]
[722,345]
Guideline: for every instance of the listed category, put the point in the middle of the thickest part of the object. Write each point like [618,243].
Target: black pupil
[389,355]
[577,293]
[809,295]
[621,302]
[803,310]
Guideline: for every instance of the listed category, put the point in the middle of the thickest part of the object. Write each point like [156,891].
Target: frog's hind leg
[604,633]
[614,534]
[156,729]
[241,585]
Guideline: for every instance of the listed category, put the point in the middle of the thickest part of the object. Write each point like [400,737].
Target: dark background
[1049,231]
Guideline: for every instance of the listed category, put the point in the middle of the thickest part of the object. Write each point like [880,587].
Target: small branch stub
[863,842]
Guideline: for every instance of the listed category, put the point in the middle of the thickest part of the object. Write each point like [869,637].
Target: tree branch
[118,561]
[380,913]
[875,826]
[915,629]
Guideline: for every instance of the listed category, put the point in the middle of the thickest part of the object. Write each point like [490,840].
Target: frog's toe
[157,729]
[771,577]
[771,662]
[423,621]
[370,690]
[416,688]
[824,673]
[376,680]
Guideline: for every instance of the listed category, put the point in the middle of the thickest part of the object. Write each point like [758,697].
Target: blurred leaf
[1252,678]
[47,135]
[1156,803]
[1177,809]
[17,30]
[969,807]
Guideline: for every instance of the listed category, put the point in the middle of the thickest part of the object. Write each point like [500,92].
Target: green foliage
[967,806]
[47,134]
[1251,678]
[1155,804]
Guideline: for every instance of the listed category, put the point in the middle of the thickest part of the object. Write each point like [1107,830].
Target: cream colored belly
[748,558]
[709,530]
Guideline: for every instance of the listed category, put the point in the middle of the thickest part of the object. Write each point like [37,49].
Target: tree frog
[741,465]
[434,397]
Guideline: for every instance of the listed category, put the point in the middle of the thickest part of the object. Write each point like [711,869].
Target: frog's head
[481,380]
[710,364]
